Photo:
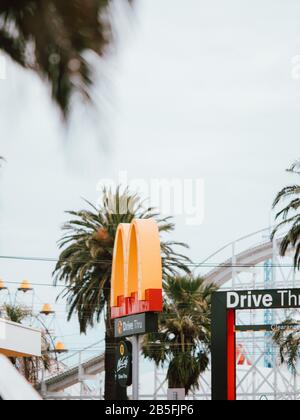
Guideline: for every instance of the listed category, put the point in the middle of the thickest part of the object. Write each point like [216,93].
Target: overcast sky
[200,89]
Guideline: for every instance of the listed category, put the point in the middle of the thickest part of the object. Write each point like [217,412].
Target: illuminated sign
[136,285]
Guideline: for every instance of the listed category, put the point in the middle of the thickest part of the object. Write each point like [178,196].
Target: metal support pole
[155,382]
[234,267]
[80,376]
[44,386]
[135,366]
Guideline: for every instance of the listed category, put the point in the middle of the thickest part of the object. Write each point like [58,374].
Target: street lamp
[60,348]
[25,287]
[47,310]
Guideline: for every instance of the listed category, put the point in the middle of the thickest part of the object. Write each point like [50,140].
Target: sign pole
[135,366]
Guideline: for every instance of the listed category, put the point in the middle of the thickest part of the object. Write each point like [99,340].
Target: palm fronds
[183,341]
[289,216]
[85,261]
[15,313]
[51,38]
[287,338]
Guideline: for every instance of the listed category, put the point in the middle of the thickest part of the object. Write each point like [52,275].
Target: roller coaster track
[245,260]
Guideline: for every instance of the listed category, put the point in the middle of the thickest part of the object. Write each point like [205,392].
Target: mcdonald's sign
[136,285]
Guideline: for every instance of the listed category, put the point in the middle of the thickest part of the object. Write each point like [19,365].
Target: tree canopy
[51,36]
[289,217]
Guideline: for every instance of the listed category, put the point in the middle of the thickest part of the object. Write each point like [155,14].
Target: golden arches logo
[136,285]
[122,349]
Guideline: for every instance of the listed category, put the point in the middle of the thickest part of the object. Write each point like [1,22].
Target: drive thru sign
[224,307]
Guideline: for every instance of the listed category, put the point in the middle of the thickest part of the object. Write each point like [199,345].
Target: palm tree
[51,38]
[29,367]
[289,216]
[287,338]
[183,342]
[85,263]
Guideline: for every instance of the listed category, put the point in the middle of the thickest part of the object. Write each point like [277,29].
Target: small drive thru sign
[136,325]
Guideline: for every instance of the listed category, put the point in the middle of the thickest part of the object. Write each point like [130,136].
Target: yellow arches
[137,268]
[119,267]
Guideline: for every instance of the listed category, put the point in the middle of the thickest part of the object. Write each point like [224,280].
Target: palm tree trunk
[113,391]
